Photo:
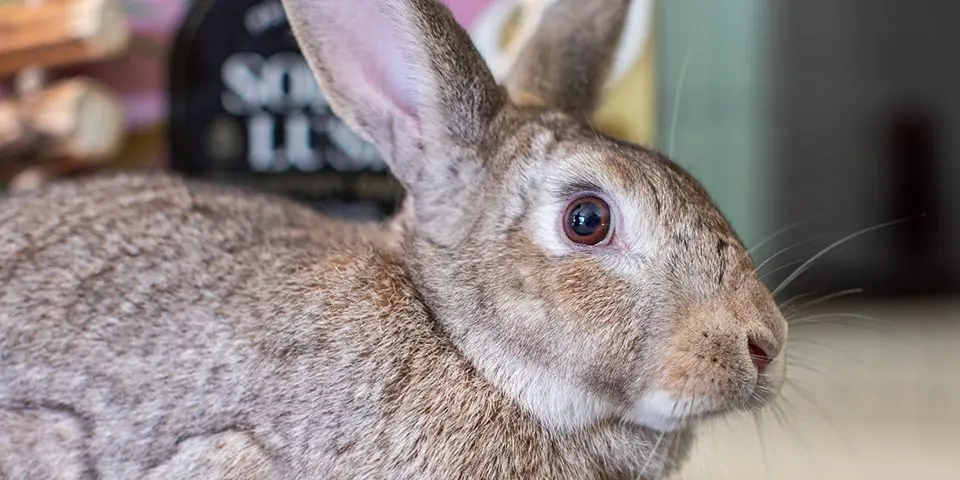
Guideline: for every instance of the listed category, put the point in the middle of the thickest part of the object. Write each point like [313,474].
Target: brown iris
[587,221]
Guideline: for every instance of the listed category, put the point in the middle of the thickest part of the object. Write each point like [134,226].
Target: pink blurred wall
[466,11]
[140,76]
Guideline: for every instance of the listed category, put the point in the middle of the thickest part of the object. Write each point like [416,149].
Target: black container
[246,110]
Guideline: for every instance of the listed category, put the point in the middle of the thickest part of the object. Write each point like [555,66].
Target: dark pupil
[585,218]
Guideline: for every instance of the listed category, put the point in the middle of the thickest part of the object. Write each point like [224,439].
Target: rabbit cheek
[598,337]
[586,291]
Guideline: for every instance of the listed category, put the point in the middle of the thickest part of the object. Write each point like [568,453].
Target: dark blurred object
[47,131]
[867,99]
[245,109]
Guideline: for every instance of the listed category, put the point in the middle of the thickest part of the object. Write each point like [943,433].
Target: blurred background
[828,131]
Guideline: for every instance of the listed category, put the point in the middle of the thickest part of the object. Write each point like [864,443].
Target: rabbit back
[142,315]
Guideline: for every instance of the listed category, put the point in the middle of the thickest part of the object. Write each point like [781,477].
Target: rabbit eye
[587,221]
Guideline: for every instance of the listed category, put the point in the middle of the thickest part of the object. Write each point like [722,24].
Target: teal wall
[719,131]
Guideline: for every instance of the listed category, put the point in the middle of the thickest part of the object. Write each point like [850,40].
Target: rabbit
[550,303]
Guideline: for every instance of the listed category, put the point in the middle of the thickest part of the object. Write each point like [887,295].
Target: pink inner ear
[376,55]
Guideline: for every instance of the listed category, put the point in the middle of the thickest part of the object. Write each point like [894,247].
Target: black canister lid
[246,109]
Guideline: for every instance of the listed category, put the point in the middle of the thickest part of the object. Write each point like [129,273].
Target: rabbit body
[151,327]
[550,303]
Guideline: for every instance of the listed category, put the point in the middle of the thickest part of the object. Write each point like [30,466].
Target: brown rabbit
[564,305]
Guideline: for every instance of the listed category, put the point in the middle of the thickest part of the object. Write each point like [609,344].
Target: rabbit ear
[402,73]
[566,61]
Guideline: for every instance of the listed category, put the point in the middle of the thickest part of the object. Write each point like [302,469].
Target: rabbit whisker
[676,101]
[787,306]
[776,234]
[783,251]
[653,453]
[781,267]
[828,297]
[757,421]
[825,318]
[806,265]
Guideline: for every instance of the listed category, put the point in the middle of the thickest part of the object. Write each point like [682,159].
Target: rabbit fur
[156,327]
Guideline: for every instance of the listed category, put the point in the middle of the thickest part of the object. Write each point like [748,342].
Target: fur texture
[152,327]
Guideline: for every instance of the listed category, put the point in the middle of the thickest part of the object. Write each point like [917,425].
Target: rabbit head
[590,279]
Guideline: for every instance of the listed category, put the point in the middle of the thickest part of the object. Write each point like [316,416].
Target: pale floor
[884,403]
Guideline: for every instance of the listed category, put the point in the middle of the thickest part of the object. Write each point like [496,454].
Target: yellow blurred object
[629,108]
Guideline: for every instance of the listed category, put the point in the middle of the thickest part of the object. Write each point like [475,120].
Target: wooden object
[76,119]
[57,33]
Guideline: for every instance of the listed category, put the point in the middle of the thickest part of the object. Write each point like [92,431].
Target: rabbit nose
[759,356]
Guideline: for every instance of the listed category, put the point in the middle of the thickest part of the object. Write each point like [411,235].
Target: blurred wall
[837,114]
[866,97]
[711,84]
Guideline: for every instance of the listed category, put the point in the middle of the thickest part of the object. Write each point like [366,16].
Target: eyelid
[580,189]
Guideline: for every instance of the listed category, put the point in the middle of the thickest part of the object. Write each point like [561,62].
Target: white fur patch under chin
[558,404]
[661,410]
